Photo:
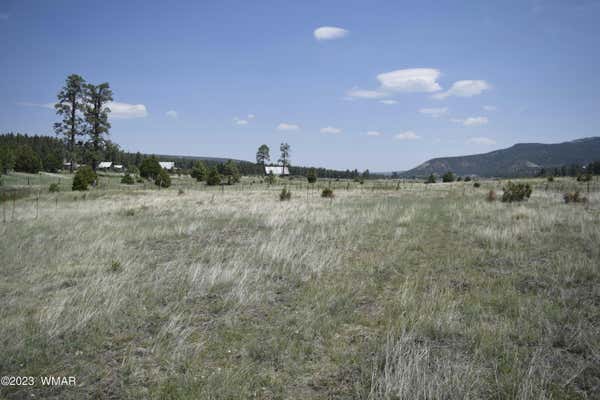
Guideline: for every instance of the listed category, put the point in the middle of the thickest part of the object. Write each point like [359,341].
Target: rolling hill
[518,160]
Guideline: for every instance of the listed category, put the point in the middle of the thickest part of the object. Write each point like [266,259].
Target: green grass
[424,292]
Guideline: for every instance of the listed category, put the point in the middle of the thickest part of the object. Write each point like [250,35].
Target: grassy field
[389,291]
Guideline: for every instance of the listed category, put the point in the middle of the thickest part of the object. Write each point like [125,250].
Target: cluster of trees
[84,109]
[574,170]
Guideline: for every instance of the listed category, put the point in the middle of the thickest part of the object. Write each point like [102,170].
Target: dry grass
[419,293]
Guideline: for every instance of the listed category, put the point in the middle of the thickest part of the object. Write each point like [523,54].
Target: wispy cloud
[172,114]
[490,108]
[374,133]
[330,33]
[481,141]
[475,121]
[465,88]
[408,135]
[42,105]
[287,127]
[365,94]
[117,110]
[434,112]
[251,116]
[331,129]
[239,121]
[127,111]
[388,102]
[471,121]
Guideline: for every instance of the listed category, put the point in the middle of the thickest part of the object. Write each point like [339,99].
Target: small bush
[584,177]
[270,178]
[431,179]
[162,179]
[491,196]
[448,177]
[312,175]
[130,212]
[327,193]
[516,192]
[54,187]
[285,194]
[127,179]
[115,266]
[84,177]
[213,177]
[180,192]
[467,179]
[476,184]
[550,178]
[574,197]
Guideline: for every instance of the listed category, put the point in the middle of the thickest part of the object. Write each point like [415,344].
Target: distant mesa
[522,159]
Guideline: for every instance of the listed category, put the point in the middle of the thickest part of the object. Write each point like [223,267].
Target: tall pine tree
[70,107]
[97,98]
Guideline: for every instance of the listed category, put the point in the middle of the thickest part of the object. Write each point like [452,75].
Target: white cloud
[331,129]
[287,127]
[481,140]
[408,135]
[471,121]
[250,116]
[490,108]
[42,105]
[434,112]
[365,94]
[127,111]
[238,121]
[330,33]
[374,133]
[466,88]
[172,114]
[410,80]
[388,102]
[475,121]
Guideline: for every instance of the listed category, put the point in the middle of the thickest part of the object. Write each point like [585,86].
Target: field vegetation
[389,290]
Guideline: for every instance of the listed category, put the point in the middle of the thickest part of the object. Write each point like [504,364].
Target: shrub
[150,168]
[180,192]
[516,192]
[312,175]
[431,179]
[448,177]
[476,184]
[162,179]
[467,179]
[285,194]
[491,196]
[550,178]
[584,177]
[84,177]
[127,179]
[115,266]
[199,171]
[231,172]
[327,193]
[54,187]
[574,197]
[213,177]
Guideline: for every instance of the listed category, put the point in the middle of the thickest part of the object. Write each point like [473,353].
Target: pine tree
[96,117]
[70,106]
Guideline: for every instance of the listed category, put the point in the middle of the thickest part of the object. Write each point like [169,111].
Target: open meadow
[390,290]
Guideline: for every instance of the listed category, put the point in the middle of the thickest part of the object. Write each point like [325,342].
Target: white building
[104,165]
[276,170]
[168,165]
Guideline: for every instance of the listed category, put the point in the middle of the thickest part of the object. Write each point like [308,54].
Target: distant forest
[25,153]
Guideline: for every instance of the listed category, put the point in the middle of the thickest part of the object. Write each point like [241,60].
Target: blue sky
[395,83]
